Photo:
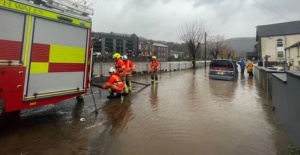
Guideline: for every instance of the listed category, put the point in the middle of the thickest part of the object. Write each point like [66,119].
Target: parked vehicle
[222,69]
[45,54]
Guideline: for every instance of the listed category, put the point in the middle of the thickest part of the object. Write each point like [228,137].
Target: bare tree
[215,45]
[192,35]
[228,52]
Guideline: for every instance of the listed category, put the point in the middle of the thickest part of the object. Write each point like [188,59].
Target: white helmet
[124,57]
[112,70]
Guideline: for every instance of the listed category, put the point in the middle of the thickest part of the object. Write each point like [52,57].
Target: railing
[101,69]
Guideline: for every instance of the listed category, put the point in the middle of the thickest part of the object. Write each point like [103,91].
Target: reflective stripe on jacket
[130,66]
[115,83]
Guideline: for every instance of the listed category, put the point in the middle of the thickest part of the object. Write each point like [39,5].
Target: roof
[278,29]
[297,44]
[158,44]
[113,35]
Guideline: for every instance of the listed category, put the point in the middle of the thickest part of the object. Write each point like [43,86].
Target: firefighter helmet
[124,57]
[116,56]
[153,57]
[112,70]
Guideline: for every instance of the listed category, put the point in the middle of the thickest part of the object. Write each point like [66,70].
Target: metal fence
[101,69]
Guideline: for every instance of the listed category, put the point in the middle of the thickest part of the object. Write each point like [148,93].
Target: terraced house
[280,42]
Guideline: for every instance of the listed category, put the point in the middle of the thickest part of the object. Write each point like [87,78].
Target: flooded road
[185,113]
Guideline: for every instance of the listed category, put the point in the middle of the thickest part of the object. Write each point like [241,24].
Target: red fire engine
[45,53]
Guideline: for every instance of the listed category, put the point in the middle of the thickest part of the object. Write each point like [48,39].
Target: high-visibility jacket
[130,66]
[115,83]
[249,66]
[154,66]
[120,67]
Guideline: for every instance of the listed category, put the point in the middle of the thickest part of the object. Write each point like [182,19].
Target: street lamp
[205,50]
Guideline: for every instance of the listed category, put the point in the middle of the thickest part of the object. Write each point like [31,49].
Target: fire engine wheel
[80,98]
[1,107]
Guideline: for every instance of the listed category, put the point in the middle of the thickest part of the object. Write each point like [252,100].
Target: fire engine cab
[45,52]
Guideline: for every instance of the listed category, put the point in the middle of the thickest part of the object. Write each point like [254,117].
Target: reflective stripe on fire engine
[39,67]
[36,11]
[66,54]
[28,38]
[57,59]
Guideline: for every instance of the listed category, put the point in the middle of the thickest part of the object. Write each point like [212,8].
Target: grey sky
[161,19]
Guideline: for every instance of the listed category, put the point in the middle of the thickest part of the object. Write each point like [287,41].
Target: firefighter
[114,84]
[154,67]
[130,67]
[120,68]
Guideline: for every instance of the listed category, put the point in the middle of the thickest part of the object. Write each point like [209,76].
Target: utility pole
[205,50]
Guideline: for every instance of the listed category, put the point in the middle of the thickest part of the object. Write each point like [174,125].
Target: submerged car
[222,69]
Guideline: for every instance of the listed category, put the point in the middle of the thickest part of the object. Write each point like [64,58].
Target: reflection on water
[188,114]
[118,113]
[196,115]
[224,90]
[153,96]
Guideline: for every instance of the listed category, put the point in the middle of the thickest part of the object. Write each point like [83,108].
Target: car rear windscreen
[221,63]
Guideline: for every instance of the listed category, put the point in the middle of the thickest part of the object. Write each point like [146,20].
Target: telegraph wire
[263,5]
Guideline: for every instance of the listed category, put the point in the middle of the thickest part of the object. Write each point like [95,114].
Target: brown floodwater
[186,113]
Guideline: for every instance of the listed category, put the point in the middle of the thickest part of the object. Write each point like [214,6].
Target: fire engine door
[57,60]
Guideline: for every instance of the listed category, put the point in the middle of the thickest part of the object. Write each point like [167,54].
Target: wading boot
[128,83]
[118,95]
[125,90]
[111,95]
[156,79]
[152,79]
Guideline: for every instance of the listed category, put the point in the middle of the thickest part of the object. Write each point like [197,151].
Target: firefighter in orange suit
[114,84]
[130,66]
[154,68]
[121,70]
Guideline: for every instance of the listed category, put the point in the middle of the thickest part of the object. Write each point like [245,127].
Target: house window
[280,54]
[279,43]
